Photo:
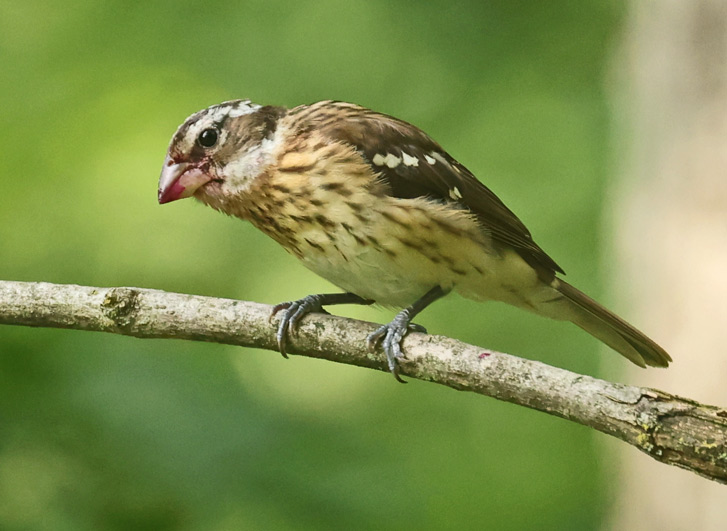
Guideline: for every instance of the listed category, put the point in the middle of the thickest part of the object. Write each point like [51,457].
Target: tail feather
[611,329]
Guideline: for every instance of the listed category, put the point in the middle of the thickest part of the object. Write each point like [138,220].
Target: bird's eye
[208,138]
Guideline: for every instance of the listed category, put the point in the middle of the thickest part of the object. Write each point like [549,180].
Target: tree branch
[670,429]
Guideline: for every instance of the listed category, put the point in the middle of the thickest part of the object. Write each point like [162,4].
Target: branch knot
[120,305]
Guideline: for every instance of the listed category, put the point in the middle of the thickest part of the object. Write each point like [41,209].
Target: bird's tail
[608,327]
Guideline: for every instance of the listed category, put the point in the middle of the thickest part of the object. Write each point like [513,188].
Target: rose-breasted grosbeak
[378,208]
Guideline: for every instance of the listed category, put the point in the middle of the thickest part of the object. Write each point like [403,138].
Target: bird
[378,208]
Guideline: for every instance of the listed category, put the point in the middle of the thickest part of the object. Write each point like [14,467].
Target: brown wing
[414,165]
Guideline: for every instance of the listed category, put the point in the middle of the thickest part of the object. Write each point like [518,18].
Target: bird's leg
[296,310]
[391,335]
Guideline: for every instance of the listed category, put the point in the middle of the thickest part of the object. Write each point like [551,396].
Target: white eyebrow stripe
[231,109]
[242,110]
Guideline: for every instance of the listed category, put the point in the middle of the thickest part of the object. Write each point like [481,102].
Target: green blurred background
[106,432]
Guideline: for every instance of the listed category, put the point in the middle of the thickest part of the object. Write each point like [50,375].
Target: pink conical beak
[179,180]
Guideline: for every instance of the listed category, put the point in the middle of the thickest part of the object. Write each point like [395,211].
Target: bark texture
[670,429]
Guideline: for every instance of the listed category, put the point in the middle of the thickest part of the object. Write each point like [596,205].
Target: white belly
[377,276]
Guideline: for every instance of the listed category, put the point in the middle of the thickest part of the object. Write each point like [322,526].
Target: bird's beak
[179,180]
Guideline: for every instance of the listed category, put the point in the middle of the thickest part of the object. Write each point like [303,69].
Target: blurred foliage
[106,432]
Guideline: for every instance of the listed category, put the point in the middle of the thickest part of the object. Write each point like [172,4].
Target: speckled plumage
[378,208]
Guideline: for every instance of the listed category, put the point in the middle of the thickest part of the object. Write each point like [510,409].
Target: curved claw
[390,336]
[280,335]
[294,312]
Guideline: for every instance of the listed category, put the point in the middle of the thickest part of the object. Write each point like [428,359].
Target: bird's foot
[294,312]
[390,337]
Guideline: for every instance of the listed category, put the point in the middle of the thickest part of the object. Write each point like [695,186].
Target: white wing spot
[392,161]
[455,194]
[409,160]
[440,158]
[429,159]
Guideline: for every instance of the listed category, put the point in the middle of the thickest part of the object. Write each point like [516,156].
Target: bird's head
[218,151]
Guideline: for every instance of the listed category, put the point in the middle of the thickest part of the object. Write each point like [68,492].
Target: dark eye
[208,138]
